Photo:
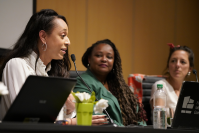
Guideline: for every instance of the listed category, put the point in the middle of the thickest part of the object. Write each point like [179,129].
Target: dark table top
[30,128]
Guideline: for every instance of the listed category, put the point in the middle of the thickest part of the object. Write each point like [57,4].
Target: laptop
[40,100]
[187,110]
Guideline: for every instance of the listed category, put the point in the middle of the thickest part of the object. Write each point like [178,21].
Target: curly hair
[127,100]
[28,41]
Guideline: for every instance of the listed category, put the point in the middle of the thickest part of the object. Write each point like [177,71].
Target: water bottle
[159,112]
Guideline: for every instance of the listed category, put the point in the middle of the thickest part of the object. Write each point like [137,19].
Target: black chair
[3,54]
[147,83]
[73,74]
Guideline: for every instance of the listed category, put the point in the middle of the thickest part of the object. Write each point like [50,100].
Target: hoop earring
[44,45]
[188,74]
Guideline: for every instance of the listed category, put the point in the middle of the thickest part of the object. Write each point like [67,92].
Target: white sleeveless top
[172,98]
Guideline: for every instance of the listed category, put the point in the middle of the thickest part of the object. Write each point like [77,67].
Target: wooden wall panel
[75,13]
[154,27]
[187,26]
[112,19]
[140,29]
[157,23]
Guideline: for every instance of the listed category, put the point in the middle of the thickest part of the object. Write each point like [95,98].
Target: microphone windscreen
[194,71]
[73,57]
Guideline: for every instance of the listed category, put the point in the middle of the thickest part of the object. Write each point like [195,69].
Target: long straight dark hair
[28,42]
[184,48]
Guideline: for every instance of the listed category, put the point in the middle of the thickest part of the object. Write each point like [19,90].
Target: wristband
[62,122]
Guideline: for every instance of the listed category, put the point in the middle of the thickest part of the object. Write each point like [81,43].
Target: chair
[141,86]
[147,83]
[73,74]
[3,53]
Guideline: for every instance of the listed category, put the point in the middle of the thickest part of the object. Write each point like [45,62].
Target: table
[53,128]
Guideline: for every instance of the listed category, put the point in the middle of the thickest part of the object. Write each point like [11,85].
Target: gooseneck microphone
[73,59]
[110,120]
[195,72]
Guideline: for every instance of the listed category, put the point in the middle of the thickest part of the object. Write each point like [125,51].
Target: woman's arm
[70,104]
[14,76]
[96,120]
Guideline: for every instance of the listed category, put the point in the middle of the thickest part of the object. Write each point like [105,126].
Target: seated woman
[104,77]
[41,50]
[179,65]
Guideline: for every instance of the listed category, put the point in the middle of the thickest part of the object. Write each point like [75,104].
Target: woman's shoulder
[87,76]
[89,79]
[162,81]
[15,61]
[15,68]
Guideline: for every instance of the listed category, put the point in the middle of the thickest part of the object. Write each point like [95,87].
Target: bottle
[159,111]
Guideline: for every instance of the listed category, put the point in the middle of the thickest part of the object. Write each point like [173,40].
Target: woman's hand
[70,104]
[99,120]
[96,120]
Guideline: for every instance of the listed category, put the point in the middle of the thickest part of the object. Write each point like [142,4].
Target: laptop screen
[40,99]
[187,110]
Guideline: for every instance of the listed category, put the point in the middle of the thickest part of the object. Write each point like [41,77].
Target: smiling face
[58,41]
[179,65]
[101,59]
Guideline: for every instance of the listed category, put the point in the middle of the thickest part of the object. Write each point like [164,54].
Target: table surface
[30,128]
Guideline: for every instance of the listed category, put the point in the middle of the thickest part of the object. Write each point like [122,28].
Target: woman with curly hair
[104,77]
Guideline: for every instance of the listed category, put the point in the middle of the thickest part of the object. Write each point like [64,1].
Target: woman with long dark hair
[42,49]
[104,77]
[179,66]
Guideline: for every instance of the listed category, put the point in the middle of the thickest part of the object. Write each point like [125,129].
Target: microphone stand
[195,72]
[111,123]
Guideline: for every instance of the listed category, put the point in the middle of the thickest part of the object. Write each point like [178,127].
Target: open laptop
[40,99]
[187,110]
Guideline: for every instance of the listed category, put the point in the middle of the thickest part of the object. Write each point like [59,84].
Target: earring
[188,74]
[88,64]
[44,45]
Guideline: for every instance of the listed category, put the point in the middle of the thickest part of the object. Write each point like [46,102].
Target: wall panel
[187,26]
[154,27]
[140,29]
[157,23]
[113,19]
[75,13]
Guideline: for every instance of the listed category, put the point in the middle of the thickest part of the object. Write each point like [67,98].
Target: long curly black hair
[127,100]
[28,42]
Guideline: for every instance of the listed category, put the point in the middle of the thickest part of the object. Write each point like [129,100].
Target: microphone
[110,120]
[195,72]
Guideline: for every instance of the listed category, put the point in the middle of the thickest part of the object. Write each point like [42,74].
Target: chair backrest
[147,83]
[3,53]
[73,74]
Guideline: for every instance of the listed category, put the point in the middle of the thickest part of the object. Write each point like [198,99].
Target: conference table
[54,128]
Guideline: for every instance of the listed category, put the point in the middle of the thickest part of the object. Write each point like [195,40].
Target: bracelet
[62,122]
